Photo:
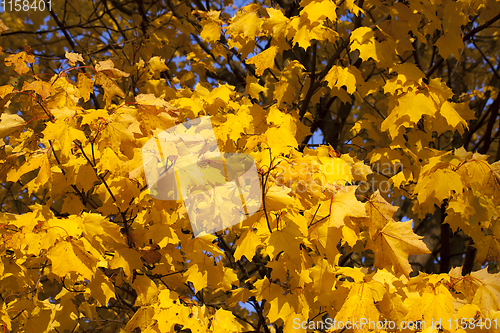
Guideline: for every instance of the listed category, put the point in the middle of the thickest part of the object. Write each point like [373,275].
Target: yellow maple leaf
[64,134]
[344,203]
[246,22]
[108,67]
[286,239]
[252,87]
[71,256]
[127,259]
[394,243]
[449,43]
[225,321]
[320,10]
[73,58]
[5,90]
[263,60]
[10,123]
[426,189]
[85,86]
[109,86]
[152,100]
[408,111]
[277,22]
[434,306]
[197,276]
[359,307]
[211,31]
[19,61]
[379,211]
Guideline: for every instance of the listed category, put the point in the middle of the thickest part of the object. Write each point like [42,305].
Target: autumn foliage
[394,217]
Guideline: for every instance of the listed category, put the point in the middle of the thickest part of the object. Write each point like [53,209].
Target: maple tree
[393,217]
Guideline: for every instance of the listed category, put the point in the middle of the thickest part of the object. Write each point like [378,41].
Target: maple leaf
[3,27]
[5,90]
[246,22]
[394,243]
[109,86]
[73,58]
[359,307]
[19,61]
[76,259]
[320,10]
[42,88]
[380,212]
[343,204]
[225,321]
[10,123]
[211,31]
[64,135]
[264,60]
[247,245]
[127,259]
[85,86]
[77,210]
[410,108]
[435,304]
[108,67]
[427,191]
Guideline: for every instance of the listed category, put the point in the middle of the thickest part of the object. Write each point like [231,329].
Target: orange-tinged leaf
[3,27]
[19,61]
[42,88]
